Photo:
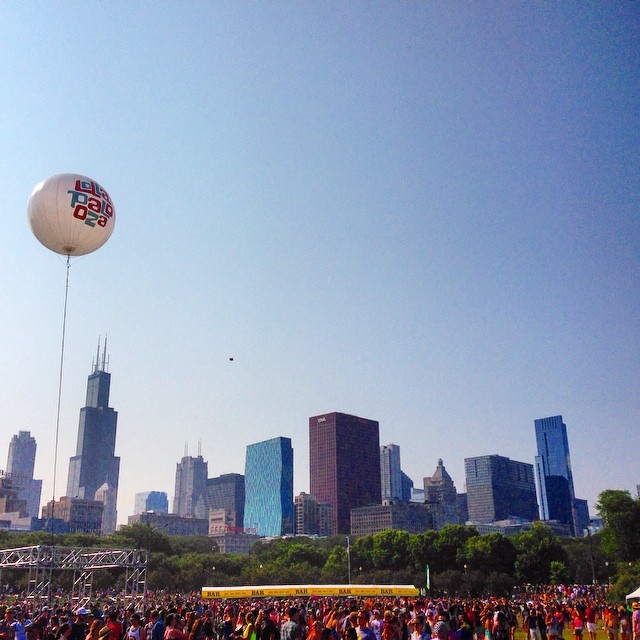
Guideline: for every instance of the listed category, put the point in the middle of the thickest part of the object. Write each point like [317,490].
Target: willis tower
[95,464]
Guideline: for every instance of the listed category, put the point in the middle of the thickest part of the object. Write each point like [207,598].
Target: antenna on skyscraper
[199,448]
[186,449]
[104,354]
[97,361]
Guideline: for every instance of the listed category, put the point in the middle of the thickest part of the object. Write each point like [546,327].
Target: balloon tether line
[55,448]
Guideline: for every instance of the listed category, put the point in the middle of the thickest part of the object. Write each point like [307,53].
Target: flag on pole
[427,578]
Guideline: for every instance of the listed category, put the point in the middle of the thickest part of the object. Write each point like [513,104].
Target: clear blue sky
[424,213]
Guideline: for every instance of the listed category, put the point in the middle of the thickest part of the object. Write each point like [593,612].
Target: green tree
[192,544]
[585,559]
[621,516]
[140,536]
[558,573]
[451,539]
[361,551]
[194,570]
[335,568]
[491,553]
[298,553]
[163,573]
[390,550]
[537,548]
[422,551]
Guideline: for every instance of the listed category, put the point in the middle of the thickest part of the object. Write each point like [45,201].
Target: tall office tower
[407,487]
[441,496]
[227,492]
[582,516]
[344,465]
[191,486]
[268,481]
[108,497]
[499,489]
[312,517]
[306,508]
[156,501]
[95,462]
[390,472]
[20,465]
[554,480]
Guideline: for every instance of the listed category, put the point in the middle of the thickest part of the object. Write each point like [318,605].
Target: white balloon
[71,214]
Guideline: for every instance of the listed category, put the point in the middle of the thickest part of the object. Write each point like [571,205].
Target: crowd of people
[554,614]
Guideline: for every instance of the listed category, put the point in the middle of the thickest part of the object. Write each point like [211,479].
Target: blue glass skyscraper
[269,487]
[554,480]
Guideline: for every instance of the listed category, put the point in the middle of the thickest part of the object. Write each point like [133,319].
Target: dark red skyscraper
[344,464]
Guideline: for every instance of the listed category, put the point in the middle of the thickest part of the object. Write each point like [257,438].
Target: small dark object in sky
[231,359]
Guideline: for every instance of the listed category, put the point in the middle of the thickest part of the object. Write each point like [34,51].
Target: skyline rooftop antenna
[98,364]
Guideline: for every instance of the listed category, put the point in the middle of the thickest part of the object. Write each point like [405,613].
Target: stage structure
[44,562]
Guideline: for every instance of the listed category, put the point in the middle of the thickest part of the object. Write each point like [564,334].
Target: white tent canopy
[635,595]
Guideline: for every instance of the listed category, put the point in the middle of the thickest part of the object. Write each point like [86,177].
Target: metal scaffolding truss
[43,562]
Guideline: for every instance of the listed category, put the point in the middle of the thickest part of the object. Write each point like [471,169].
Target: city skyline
[421,213]
[192,479]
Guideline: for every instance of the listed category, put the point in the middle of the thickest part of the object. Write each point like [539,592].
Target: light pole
[348,560]
[593,569]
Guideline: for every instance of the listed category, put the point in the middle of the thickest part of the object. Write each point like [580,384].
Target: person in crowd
[421,628]
[533,623]
[591,619]
[94,629]
[7,631]
[158,626]
[441,628]
[314,626]
[249,631]
[391,629]
[18,626]
[363,629]
[134,631]
[375,622]
[624,623]
[173,628]
[577,623]
[80,626]
[292,629]
[63,632]
[114,623]
[465,629]
[635,620]
[238,628]
[611,620]
[267,627]
[551,622]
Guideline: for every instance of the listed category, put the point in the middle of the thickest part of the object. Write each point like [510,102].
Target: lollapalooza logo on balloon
[91,203]
[71,214]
